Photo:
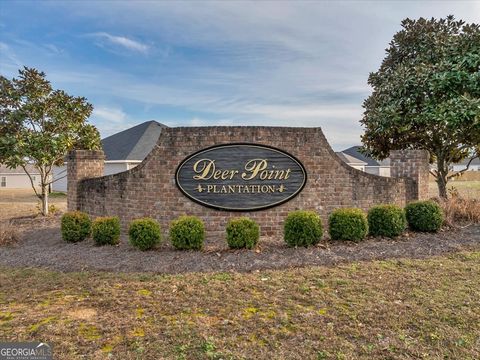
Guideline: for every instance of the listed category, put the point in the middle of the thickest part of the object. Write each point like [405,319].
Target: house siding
[60,172]
[18,181]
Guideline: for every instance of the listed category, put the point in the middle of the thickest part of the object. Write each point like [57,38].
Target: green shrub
[424,216]
[76,226]
[242,232]
[144,234]
[348,224]
[302,228]
[187,232]
[386,220]
[106,231]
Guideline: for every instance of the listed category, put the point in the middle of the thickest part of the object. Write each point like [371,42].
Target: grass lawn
[397,309]
[467,189]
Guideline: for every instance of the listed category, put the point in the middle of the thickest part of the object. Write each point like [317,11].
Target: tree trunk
[442,173]
[44,200]
[442,186]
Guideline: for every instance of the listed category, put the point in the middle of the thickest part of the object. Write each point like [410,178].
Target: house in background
[371,166]
[123,151]
[17,178]
[474,165]
[352,161]
[353,157]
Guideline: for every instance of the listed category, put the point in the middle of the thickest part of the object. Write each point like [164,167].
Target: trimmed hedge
[348,224]
[386,220]
[187,233]
[302,228]
[242,232]
[424,216]
[106,230]
[76,226]
[144,233]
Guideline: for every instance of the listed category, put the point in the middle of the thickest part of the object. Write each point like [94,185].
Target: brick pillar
[82,164]
[412,164]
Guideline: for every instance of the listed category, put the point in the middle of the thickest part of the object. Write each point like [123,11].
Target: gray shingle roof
[134,143]
[354,151]
[350,159]
[18,170]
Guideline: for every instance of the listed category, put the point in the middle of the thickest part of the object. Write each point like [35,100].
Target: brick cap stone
[86,154]
[410,153]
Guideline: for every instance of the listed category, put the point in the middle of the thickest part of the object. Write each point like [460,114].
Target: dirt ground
[41,245]
[23,202]
[44,247]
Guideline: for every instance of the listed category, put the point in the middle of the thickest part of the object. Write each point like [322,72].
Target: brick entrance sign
[151,188]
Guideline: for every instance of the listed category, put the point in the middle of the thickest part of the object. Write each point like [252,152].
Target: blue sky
[279,63]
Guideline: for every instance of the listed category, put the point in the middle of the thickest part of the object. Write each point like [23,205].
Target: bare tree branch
[459,173]
[31,181]
[55,180]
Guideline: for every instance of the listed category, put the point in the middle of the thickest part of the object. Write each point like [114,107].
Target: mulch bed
[41,245]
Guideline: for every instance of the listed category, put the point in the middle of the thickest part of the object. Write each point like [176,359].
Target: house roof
[384,162]
[350,160]
[134,143]
[354,151]
[18,170]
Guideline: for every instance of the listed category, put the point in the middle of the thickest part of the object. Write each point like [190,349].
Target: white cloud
[107,129]
[10,56]
[208,122]
[247,63]
[55,50]
[122,41]
[306,111]
[109,114]
[110,120]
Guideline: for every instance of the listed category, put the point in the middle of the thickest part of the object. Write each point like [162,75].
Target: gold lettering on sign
[258,167]
[241,189]
[205,169]
[254,166]
[206,165]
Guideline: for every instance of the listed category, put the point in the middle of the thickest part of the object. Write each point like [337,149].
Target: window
[3,181]
[33,178]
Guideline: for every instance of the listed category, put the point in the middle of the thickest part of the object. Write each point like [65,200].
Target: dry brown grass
[9,234]
[460,211]
[396,309]
[23,202]
[465,189]
[466,176]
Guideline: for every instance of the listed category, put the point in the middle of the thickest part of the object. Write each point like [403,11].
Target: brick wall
[150,190]
[413,164]
[81,164]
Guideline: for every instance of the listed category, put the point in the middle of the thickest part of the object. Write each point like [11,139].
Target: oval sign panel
[240,177]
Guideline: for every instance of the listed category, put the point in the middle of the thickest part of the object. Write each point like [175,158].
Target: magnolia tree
[39,125]
[426,95]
